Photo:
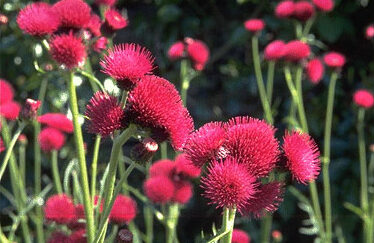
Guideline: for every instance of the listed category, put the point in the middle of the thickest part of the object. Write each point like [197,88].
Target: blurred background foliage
[226,88]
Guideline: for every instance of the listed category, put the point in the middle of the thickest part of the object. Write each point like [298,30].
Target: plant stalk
[228,224]
[55,171]
[171,223]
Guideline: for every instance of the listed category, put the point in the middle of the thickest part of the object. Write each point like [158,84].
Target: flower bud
[124,236]
[143,151]
[30,109]
[277,235]
[22,139]
[3,19]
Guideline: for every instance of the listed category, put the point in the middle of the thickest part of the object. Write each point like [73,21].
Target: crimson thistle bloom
[176,51]
[72,13]
[58,121]
[315,70]
[51,139]
[324,5]
[334,60]
[363,98]
[302,156]
[240,236]
[254,25]
[114,20]
[68,50]
[38,19]
[303,11]
[228,184]
[127,63]
[285,9]
[94,25]
[296,51]
[6,91]
[123,210]
[10,110]
[104,114]
[198,52]
[60,209]
[274,50]
[159,189]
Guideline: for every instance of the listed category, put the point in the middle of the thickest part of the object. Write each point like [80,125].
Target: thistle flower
[303,11]
[127,63]
[228,184]
[274,50]
[206,144]
[254,25]
[369,32]
[94,25]
[6,91]
[266,199]
[252,142]
[163,167]
[78,236]
[58,121]
[324,5]
[106,2]
[240,236]
[302,156]
[100,44]
[198,52]
[185,168]
[296,51]
[58,237]
[60,209]
[68,50]
[183,193]
[114,20]
[10,110]
[38,19]
[285,9]
[159,189]
[155,104]
[334,60]
[104,114]
[72,13]
[123,211]
[51,139]
[176,51]
[363,98]
[315,70]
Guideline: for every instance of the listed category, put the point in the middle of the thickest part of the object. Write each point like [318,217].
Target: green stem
[228,224]
[171,223]
[148,218]
[185,81]
[90,226]
[300,103]
[266,222]
[55,171]
[326,157]
[94,166]
[10,147]
[260,81]
[164,150]
[94,82]
[22,162]
[270,81]
[111,177]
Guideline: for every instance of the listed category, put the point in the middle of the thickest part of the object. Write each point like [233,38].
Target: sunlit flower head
[198,52]
[51,139]
[60,209]
[334,60]
[72,13]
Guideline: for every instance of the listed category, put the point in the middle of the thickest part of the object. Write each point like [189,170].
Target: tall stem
[55,171]
[260,81]
[78,137]
[171,223]
[326,157]
[300,103]
[270,81]
[266,223]
[94,166]
[228,224]
[164,150]
[22,162]
[185,81]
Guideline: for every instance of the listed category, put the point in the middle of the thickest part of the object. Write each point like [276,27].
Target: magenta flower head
[228,184]
[324,5]
[303,11]
[105,2]
[369,32]
[334,60]
[51,139]
[206,144]
[6,91]
[58,237]
[100,44]
[185,168]
[123,211]
[266,199]
[363,98]
[252,142]
[127,63]
[274,50]
[302,156]
[10,110]
[58,121]
[155,104]
[315,70]
[78,236]
[285,9]
[296,51]
[104,114]
[60,209]
[198,52]
[159,189]
[72,13]
[176,51]
[68,50]
[38,19]
[114,21]
[254,25]
[94,25]
[240,236]
[183,192]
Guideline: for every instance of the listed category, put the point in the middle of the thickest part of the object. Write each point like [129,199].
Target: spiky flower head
[324,5]
[228,184]
[315,70]
[363,98]
[176,51]
[285,9]
[58,121]
[252,142]
[68,50]
[266,199]
[240,236]
[60,209]
[274,50]
[123,210]
[127,64]
[104,114]
[185,168]
[155,104]
[72,13]
[302,156]
[206,144]
[38,19]
[303,11]
[51,139]
[198,52]
[94,25]
[296,51]
[254,25]
[334,60]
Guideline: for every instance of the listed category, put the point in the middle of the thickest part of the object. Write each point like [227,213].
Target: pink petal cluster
[176,51]
[275,50]
[334,60]
[58,121]
[72,13]
[296,51]
[315,70]
[285,9]
[369,32]
[254,25]
[324,5]
[240,236]
[9,109]
[363,98]
[60,209]
[114,20]
[123,210]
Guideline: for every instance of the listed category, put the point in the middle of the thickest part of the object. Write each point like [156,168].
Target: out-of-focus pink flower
[363,98]
[198,52]
[296,51]
[123,210]
[100,44]
[159,189]
[114,20]
[3,19]
[94,25]
[277,235]
[324,5]
[274,50]
[106,2]
[10,110]
[176,51]
[369,32]
[254,25]
[240,236]
[51,139]
[285,9]
[6,91]
[72,13]
[315,70]
[303,11]
[334,60]
[58,121]
[60,209]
